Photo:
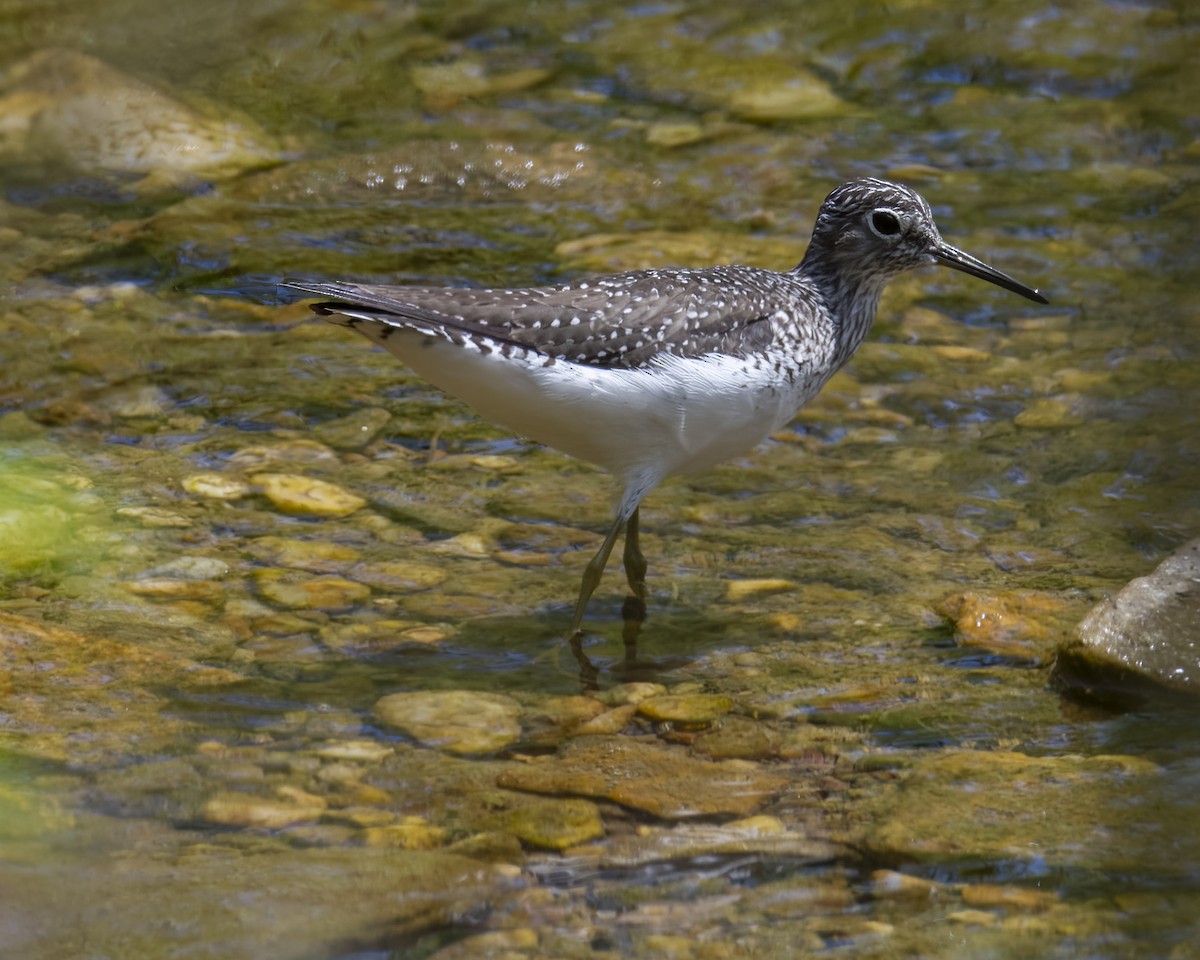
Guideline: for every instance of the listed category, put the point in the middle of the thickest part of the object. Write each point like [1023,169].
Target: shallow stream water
[228,531]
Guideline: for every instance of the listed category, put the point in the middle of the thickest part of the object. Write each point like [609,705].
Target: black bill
[952,257]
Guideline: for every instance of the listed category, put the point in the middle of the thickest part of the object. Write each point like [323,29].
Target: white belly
[676,417]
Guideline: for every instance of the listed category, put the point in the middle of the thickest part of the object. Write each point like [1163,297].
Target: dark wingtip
[323,308]
[295,283]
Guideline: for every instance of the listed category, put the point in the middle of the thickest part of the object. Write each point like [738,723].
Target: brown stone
[649,776]
[1017,624]
[987,895]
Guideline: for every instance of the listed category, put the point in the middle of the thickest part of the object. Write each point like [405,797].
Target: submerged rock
[738,590]
[353,431]
[608,723]
[268,902]
[413,834]
[1144,642]
[972,806]
[648,776]
[738,738]
[287,588]
[673,61]
[552,823]
[78,111]
[393,575]
[216,486]
[446,84]
[1008,897]
[765,835]
[363,751]
[293,493]
[318,556]
[1020,623]
[801,96]
[630,694]
[459,721]
[246,810]
[87,698]
[382,636]
[175,588]
[687,709]
[557,718]
[191,568]
[892,885]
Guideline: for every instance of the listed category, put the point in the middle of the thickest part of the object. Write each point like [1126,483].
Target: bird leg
[635,563]
[589,676]
[633,610]
[592,573]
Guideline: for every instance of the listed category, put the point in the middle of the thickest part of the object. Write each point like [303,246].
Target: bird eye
[885,223]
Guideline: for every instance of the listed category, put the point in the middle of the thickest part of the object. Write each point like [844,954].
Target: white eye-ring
[884,223]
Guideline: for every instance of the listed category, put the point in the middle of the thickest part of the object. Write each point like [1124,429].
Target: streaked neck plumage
[851,296]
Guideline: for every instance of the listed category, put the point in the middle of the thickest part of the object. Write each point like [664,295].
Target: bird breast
[684,414]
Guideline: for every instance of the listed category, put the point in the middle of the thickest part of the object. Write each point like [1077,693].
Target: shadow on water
[503,655]
[522,653]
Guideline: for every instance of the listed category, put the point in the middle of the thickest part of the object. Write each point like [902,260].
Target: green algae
[52,522]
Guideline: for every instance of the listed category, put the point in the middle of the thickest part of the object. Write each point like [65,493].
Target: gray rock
[1143,641]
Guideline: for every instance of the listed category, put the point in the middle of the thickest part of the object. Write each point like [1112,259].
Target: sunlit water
[974,444]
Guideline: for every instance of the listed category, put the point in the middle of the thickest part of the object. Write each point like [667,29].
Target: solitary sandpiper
[660,372]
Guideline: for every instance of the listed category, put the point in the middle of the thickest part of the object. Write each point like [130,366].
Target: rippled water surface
[228,531]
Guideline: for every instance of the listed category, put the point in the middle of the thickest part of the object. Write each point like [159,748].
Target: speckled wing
[624,320]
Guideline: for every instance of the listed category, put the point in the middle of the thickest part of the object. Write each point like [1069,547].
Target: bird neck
[851,298]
